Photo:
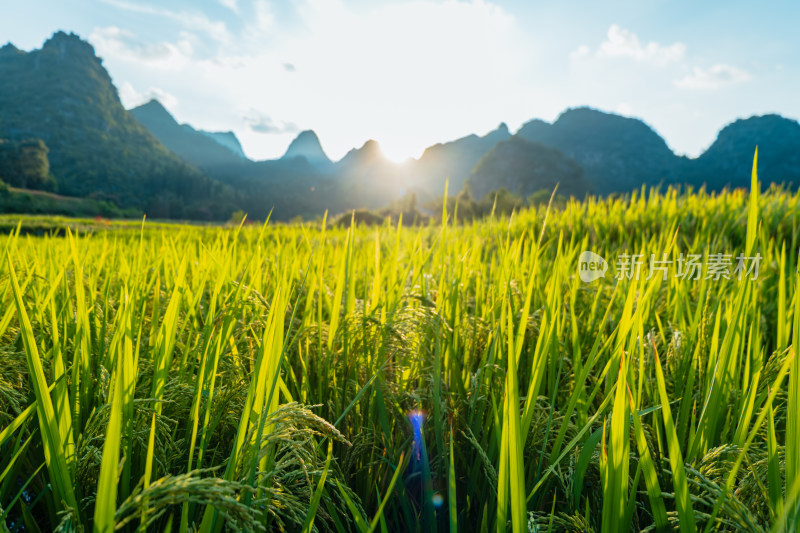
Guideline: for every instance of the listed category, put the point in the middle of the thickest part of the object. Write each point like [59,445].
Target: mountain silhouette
[307,145]
[616,153]
[367,179]
[364,158]
[729,160]
[454,161]
[197,148]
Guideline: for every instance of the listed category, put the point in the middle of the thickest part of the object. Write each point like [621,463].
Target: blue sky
[413,73]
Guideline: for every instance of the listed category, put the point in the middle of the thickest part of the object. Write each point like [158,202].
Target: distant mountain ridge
[143,158]
[614,153]
[199,148]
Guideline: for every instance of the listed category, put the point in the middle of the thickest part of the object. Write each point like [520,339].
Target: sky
[410,74]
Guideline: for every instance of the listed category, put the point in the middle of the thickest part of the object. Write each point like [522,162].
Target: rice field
[451,377]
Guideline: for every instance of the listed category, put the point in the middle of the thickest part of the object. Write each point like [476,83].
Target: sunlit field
[450,377]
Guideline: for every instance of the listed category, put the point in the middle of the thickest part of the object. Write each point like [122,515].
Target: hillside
[227,139]
[29,201]
[454,161]
[728,161]
[524,168]
[201,149]
[616,153]
[62,95]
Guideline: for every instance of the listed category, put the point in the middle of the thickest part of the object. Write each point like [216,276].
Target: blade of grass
[55,456]
[312,508]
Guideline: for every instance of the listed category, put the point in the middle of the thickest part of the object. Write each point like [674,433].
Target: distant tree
[24,164]
[410,205]
[198,212]
[165,205]
[468,209]
[501,201]
[405,206]
[542,197]
[236,217]
[361,217]
[462,206]
[101,196]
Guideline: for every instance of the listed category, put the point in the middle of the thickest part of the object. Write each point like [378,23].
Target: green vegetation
[42,225]
[464,208]
[62,95]
[431,378]
[24,164]
[24,201]
[525,167]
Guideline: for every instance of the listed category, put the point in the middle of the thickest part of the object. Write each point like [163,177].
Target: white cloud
[261,123]
[130,97]
[193,20]
[265,17]
[233,5]
[117,43]
[622,43]
[671,60]
[581,51]
[713,77]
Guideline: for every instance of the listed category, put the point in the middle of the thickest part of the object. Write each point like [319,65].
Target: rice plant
[448,377]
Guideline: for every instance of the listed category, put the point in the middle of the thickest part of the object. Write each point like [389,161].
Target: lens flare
[438,500]
[417,420]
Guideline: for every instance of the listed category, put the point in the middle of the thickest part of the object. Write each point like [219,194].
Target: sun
[399,152]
